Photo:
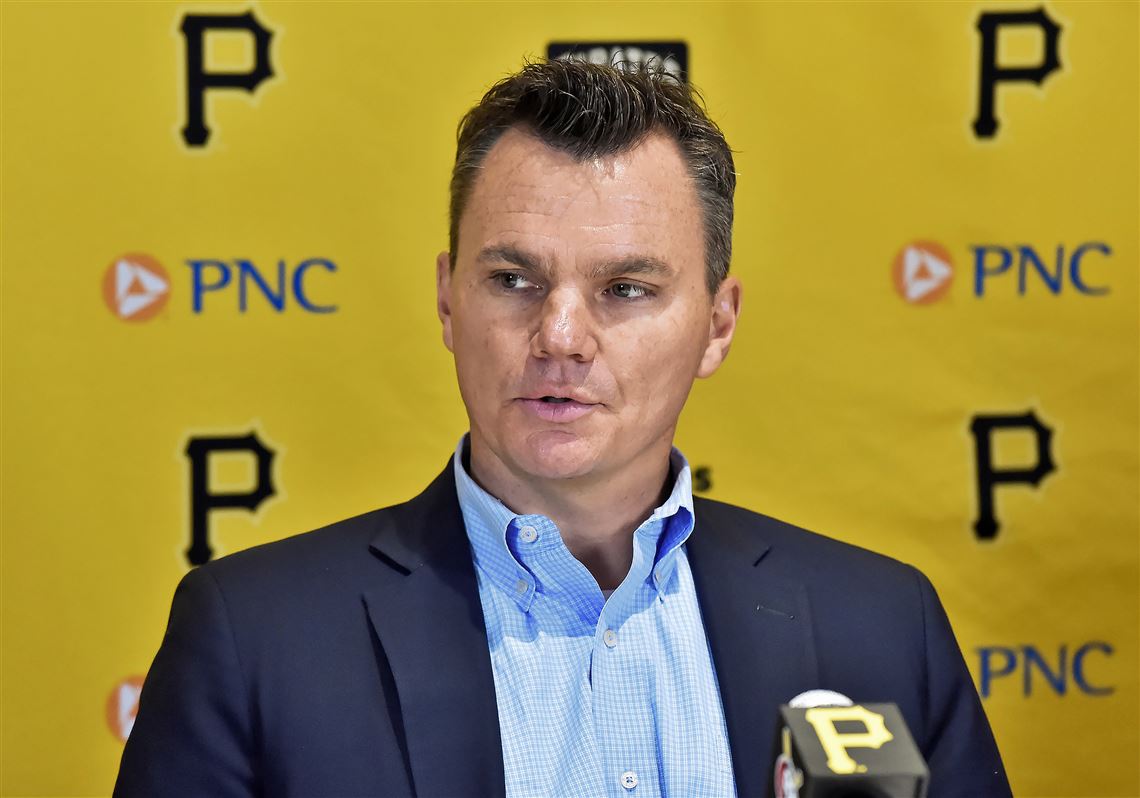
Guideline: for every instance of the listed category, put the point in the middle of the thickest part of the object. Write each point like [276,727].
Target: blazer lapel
[759,632]
[429,621]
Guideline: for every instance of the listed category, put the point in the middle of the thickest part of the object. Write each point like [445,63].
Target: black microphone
[827,747]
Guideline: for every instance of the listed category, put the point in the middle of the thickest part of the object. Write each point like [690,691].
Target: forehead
[642,200]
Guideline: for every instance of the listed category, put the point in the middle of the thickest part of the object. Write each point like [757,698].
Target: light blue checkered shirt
[598,697]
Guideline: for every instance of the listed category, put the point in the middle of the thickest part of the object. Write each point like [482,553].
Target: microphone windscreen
[820,698]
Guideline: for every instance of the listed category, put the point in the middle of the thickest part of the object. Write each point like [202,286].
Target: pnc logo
[922,272]
[135,287]
[123,706]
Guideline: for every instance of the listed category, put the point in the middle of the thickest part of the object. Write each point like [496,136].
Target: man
[556,614]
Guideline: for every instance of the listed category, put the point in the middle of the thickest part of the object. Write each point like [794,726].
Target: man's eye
[511,280]
[628,291]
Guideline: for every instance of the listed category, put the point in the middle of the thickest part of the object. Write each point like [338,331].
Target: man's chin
[554,454]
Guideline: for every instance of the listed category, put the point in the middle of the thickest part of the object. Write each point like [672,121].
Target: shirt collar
[491,526]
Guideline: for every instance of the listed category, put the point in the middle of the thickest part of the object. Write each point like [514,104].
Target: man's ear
[722,325]
[443,295]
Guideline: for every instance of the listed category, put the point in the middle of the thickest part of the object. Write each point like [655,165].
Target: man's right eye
[511,280]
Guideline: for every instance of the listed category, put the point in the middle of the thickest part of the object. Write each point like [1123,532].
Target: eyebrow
[631,264]
[516,257]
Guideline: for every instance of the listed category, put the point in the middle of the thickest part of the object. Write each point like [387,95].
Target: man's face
[578,311]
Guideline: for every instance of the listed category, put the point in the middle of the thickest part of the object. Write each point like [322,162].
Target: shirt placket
[623,678]
[567,604]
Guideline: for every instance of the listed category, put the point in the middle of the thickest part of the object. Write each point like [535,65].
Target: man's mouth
[558,409]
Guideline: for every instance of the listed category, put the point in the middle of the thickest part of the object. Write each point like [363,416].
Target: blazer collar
[429,621]
[759,631]
[427,616]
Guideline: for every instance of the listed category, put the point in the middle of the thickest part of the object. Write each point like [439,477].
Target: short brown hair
[591,110]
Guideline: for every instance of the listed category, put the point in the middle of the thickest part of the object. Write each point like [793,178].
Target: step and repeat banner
[219,228]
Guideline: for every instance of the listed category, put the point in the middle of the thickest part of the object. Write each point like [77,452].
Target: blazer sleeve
[192,735]
[958,744]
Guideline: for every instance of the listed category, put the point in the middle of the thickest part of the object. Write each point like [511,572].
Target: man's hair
[588,111]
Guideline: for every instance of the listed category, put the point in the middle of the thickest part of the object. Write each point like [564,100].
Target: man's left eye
[628,291]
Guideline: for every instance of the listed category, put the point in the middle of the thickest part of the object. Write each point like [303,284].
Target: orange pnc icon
[922,272]
[123,705]
[135,287]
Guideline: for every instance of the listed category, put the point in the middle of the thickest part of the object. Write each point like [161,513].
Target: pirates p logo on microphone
[850,750]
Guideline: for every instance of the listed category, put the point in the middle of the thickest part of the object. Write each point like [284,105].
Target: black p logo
[203,501]
[989,476]
[990,74]
[199,81]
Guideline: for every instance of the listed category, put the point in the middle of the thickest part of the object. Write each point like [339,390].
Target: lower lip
[558,412]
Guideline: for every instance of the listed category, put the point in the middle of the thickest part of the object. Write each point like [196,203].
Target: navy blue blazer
[353,660]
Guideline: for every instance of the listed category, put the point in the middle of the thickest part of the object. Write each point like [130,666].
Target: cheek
[656,369]
[473,324]
[487,358]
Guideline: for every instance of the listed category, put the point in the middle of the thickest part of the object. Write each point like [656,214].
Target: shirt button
[629,779]
[528,534]
[521,586]
[657,576]
[610,639]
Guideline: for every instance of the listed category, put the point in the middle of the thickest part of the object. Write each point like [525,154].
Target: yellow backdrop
[936,313]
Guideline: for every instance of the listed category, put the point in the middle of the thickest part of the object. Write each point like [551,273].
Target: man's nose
[566,328]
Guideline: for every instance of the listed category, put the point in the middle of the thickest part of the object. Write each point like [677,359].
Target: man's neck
[596,516]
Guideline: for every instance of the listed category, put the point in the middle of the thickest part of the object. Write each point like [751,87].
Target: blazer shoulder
[802,553]
[409,530]
[312,548]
